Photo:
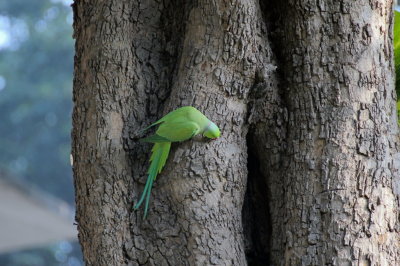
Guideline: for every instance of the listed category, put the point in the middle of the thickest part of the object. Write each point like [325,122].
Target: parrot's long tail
[158,158]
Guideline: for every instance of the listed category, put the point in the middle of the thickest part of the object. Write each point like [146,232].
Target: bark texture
[305,172]
[341,184]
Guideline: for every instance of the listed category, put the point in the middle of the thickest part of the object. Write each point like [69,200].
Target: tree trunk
[305,172]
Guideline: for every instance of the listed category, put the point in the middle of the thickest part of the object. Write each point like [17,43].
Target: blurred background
[36,185]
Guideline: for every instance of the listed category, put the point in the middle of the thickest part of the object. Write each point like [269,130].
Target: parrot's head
[212,131]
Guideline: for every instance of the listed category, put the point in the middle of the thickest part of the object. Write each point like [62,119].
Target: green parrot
[178,125]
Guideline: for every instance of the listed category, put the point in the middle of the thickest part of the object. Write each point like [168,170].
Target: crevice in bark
[272,12]
[255,212]
[172,25]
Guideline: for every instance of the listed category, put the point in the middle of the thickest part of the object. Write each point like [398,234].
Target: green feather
[146,187]
[178,125]
[158,159]
[155,139]
[152,125]
[178,131]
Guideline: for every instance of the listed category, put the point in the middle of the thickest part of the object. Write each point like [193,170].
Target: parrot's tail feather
[158,158]
[146,206]
[146,187]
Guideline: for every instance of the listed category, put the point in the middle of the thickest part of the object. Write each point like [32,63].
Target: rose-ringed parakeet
[178,125]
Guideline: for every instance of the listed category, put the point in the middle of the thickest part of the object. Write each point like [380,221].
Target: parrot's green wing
[178,131]
[182,115]
[152,125]
[179,115]
[155,139]
[172,132]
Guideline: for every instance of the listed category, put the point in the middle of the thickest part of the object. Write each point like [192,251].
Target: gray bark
[341,183]
[305,172]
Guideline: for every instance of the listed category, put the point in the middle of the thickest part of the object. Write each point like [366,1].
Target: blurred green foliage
[36,64]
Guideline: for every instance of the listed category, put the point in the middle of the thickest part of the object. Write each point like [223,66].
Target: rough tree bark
[306,170]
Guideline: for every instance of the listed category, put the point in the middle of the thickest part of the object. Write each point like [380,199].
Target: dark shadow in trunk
[255,212]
